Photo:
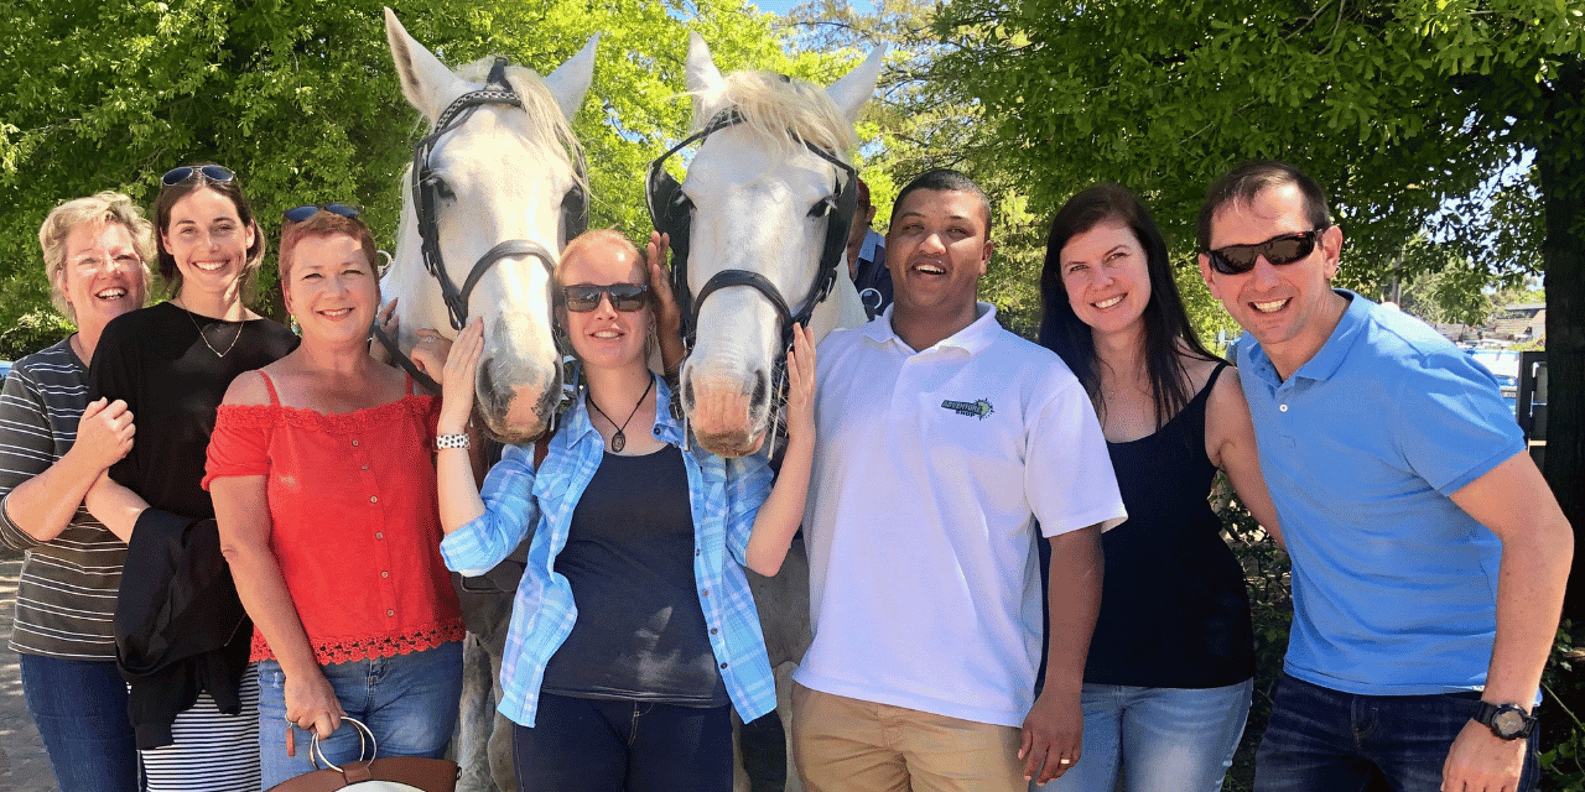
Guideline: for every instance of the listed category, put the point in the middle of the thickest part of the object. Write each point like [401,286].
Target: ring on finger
[1065,761]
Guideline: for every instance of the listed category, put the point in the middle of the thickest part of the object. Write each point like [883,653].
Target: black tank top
[640,632]
[1174,610]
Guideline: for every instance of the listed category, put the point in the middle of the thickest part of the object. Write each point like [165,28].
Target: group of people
[161,453]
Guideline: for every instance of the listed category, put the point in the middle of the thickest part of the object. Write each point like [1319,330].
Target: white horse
[762,239]
[765,189]
[495,191]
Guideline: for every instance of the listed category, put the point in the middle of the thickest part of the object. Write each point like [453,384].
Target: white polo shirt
[931,469]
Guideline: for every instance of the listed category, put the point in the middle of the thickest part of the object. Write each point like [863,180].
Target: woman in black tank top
[1168,681]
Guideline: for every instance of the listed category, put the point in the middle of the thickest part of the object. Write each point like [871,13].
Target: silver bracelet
[452,441]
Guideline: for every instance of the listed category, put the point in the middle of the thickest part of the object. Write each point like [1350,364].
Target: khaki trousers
[846,745]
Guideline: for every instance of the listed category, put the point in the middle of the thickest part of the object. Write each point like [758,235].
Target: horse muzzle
[729,414]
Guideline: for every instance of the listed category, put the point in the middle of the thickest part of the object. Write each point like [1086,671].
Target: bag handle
[365,742]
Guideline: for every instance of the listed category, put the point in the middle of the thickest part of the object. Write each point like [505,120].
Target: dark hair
[325,224]
[1169,336]
[1241,184]
[231,189]
[943,180]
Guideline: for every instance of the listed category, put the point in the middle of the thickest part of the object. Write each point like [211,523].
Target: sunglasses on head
[298,214]
[1279,250]
[625,297]
[214,173]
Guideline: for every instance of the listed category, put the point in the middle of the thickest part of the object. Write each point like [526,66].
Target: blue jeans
[596,745]
[1159,739]
[409,701]
[81,710]
[1323,739]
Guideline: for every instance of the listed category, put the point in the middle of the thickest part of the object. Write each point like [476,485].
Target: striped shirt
[725,496]
[66,598]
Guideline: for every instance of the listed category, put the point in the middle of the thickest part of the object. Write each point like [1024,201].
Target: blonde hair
[588,239]
[100,209]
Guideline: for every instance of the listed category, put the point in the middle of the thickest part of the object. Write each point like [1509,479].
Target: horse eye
[442,189]
[822,207]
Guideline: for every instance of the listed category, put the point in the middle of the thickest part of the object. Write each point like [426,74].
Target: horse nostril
[687,393]
[761,391]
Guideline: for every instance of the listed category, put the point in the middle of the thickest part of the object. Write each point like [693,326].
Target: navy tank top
[1174,608]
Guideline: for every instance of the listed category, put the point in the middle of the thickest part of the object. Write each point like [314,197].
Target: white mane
[775,109]
[540,106]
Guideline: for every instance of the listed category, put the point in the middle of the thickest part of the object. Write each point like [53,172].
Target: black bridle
[672,214]
[426,201]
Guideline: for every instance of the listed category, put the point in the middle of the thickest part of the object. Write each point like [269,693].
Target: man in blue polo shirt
[1429,556]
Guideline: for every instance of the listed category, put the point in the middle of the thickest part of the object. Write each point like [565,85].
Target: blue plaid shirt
[724,494]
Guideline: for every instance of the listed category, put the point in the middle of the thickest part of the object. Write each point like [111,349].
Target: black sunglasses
[298,214]
[214,173]
[1279,250]
[625,297]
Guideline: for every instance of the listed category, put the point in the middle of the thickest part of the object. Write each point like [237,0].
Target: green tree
[301,100]
[1444,116]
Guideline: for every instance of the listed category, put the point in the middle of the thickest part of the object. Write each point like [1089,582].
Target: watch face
[1509,722]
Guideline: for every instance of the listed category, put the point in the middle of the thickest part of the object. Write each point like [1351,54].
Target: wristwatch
[1507,721]
[458,440]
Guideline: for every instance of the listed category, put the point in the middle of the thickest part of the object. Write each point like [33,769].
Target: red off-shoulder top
[355,524]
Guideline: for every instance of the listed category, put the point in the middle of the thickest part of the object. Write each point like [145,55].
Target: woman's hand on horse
[311,704]
[801,383]
[456,387]
[668,317]
[431,352]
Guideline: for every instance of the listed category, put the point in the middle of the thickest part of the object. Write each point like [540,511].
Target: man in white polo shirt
[944,438]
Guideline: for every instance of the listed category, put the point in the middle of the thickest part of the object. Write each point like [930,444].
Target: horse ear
[704,80]
[851,92]
[426,82]
[571,80]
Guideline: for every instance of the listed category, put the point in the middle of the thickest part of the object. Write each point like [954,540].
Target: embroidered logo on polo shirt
[974,409]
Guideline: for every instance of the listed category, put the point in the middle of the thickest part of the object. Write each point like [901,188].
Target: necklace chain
[619,440]
[203,338]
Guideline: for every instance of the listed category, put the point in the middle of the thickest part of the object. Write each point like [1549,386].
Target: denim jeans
[1326,740]
[1158,739]
[81,710]
[409,701]
[597,745]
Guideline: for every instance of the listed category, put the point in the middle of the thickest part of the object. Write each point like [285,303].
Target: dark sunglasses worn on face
[298,214]
[625,297]
[214,173]
[1279,250]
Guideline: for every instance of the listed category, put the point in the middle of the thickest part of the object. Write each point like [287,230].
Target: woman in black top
[1168,680]
[172,363]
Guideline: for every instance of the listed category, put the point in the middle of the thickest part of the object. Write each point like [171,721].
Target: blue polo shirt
[1394,586]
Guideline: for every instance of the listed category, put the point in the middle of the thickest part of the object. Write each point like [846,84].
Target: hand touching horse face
[766,190]
[496,190]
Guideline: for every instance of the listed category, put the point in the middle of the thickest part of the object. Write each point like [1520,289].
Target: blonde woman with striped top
[53,445]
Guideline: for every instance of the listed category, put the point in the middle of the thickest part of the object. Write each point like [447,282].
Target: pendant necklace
[203,338]
[619,440]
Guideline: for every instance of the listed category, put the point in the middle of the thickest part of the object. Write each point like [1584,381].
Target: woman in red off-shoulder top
[324,489]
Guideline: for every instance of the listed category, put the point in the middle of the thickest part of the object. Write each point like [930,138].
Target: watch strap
[1487,713]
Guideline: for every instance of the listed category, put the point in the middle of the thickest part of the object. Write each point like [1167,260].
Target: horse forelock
[782,112]
[542,113]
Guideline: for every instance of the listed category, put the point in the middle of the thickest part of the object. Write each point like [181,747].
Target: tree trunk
[1561,167]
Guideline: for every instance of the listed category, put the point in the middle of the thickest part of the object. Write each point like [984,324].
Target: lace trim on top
[344,650]
[264,416]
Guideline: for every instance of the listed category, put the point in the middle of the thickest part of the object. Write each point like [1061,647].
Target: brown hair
[324,224]
[232,190]
[100,209]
